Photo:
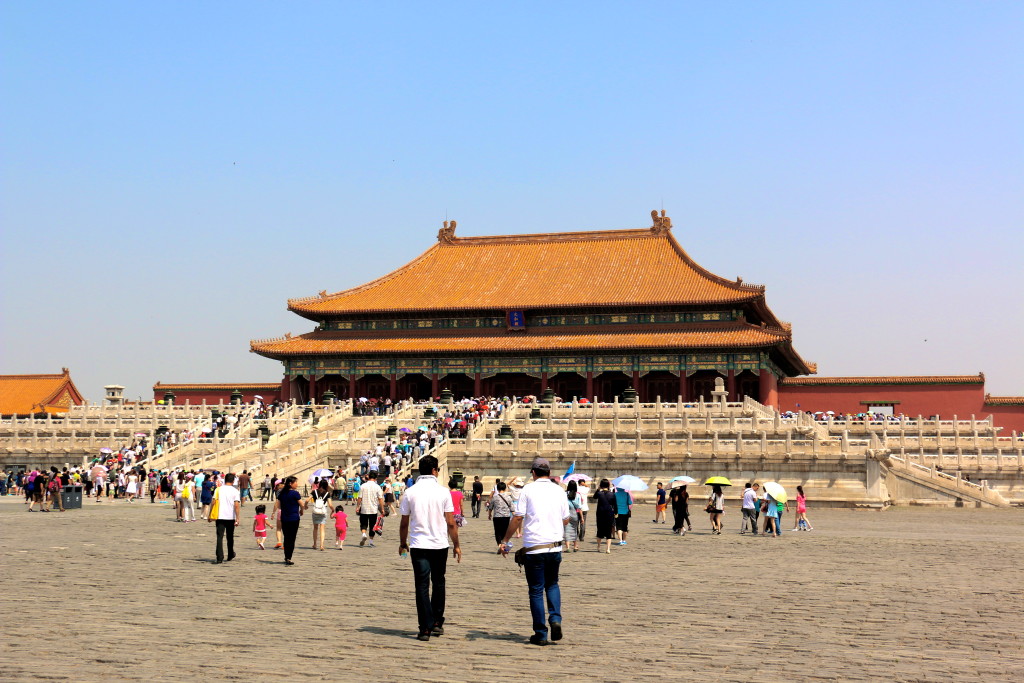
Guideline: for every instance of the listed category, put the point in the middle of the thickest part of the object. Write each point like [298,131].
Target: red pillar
[590,386]
[684,387]
[730,385]
[543,381]
[312,389]
[434,391]
[768,389]
[394,387]
[477,390]
[352,386]
[285,392]
[636,385]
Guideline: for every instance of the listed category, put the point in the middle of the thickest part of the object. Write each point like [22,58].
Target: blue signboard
[516,320]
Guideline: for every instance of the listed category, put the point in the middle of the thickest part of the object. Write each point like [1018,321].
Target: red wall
[214,396]
[945,400]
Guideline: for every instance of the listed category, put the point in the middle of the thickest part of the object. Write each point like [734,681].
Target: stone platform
[118,591]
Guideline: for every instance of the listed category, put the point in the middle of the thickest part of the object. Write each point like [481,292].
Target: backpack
[186,492]
[319,504]
[54,484]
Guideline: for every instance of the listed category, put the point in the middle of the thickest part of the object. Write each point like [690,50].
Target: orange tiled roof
[1004,400]
[597,268]
[885,379]
[27,394]
[729,335]
[245,386]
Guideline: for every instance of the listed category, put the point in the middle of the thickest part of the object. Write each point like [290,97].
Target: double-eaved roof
[621,270]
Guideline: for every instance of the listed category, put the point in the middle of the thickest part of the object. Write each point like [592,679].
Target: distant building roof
[244,386]
[884,379]
[29,394]
[1004,400]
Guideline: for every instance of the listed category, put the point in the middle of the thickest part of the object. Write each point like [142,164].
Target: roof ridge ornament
[662,224]
[446,235]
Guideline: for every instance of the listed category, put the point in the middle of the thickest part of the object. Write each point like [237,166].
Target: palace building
[585,314]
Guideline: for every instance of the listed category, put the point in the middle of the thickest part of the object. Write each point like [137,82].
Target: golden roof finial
[446,235]
[662,223]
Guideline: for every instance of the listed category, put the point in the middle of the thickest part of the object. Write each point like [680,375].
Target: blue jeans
[542,578]
[428,567]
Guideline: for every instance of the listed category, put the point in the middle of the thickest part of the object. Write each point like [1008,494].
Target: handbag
[460,520]
[214,507]
[711,506]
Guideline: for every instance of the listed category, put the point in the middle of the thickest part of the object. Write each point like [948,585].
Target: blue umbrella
[629,482]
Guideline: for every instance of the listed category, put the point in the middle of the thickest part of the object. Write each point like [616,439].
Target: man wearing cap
[542,513]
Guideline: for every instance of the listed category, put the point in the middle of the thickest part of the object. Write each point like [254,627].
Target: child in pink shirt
[340,526]
[259,525]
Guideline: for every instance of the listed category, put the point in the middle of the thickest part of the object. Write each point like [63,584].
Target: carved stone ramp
[942,483]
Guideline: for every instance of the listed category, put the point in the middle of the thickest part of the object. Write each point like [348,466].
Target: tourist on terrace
[572,529]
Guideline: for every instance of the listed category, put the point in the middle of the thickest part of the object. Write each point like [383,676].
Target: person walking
[623,511]
[750,504]
[542,513]
[319,500]
[801,511]
[680,510]
[661,504]
[499,510]
[572,529]
[605,515]
[289,506]
[371,504]
[715,508]
[428,521]
[477,496]
[229,510]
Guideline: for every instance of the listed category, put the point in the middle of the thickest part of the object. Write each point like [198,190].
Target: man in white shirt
[542,513]
[371,503]
[428,520]
[229,510]
[750,509]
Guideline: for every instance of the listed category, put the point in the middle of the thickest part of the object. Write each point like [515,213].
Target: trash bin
[71,497]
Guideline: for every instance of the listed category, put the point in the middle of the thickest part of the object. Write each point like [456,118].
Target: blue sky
[173,172]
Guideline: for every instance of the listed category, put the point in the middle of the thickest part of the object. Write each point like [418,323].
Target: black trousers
[290,530]
[428,567]
[474,505]
[500,527]
[225,527]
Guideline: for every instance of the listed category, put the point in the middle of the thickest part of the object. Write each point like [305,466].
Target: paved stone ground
[123,592]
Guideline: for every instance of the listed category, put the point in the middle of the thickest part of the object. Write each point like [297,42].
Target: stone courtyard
[119,592]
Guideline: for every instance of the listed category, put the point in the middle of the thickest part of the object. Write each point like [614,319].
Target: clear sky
[173,172]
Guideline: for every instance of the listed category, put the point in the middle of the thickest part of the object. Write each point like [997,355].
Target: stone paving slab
[122,592]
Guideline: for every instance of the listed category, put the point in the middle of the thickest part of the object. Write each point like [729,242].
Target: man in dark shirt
[478,496]
[660,504]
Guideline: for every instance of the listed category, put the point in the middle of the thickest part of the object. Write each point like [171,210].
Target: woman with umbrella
[716,506]
[680,500]
[605,515]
